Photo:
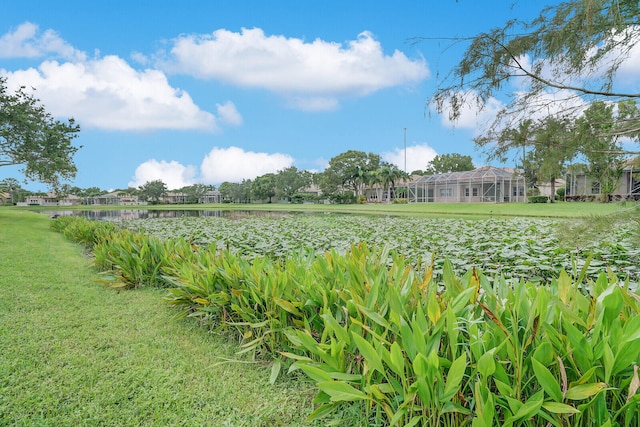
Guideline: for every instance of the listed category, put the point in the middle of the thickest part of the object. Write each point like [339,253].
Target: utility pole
[405,150]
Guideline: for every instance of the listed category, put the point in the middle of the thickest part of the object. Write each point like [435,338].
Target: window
[446,192]
[475,191]
[595,187]
[466,192]
[518,191]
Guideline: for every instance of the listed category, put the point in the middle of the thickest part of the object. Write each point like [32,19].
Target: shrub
[401,201]
[560,192]
[538,199]
[402,348]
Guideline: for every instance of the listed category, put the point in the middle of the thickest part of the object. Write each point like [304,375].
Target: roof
[488,173]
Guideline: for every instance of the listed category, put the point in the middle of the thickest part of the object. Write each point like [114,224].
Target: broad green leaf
[503,388]
[341,391]
[275,371]
[433,308]
[322,411]
[584,391]
[544,353]
[631,330]
[547,381]
[454,377]
[397,359]
[564,287]
[339,330]
[611,301]
[415,420]
[420,365]
[559,408]
[371,356]
[487,363]
[529,409]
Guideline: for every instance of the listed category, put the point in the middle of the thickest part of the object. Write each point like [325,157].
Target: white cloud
[418,157]
[472,115]
[108,93]
[233,164]
[319,72]
[228,113]
[172,173]
[27,42]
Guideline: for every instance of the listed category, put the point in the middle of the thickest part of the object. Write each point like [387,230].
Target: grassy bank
[76,353]
[478,210]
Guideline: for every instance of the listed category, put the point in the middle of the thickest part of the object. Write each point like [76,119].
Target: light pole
[405,150]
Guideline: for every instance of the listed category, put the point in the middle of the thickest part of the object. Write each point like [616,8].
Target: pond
[128,214]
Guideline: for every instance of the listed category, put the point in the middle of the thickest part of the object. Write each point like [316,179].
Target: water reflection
[129,214]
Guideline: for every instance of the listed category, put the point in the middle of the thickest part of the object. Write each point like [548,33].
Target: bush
[361,200]
[538,199]
[403,345]
[342,199]
[401,201]
[560,192]
[533,192]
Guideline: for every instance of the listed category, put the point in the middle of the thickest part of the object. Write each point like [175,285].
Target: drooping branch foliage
[33,138]
[565,59]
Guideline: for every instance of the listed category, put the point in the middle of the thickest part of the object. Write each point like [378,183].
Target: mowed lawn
[75,353]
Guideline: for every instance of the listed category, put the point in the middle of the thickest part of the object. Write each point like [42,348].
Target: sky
[212,91]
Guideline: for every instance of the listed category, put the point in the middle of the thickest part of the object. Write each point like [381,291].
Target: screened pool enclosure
[483,185]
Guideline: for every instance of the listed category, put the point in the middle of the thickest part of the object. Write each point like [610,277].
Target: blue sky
[213,91]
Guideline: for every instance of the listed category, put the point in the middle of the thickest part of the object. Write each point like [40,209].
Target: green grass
[73,352]
[481,210]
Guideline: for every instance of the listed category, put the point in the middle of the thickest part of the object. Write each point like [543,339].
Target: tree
[195,192]
[388,175]
[445,163]
[569,55]
[31,137]
[291,180]
[350,169]
[552,150]
[264,187]
[153,191]
[13,187]
[600,145]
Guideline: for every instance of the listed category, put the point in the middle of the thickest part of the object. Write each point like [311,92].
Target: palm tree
[372,178]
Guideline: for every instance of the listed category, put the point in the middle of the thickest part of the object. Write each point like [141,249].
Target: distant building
[51,199]
[581,187]
[545,187]
[487,184]
[211,196]
[114,198]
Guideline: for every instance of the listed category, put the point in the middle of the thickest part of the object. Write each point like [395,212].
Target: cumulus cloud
[472,116]
[233,164]
[229,114]
[26,41]
[418,157]
[311,75]
[108,93]
[172,173]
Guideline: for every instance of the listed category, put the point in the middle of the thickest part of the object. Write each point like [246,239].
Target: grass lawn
[73,352]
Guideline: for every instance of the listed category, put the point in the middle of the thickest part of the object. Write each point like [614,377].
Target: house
[378,194]
[51,199]
[113,198]
[211,196]
[487,184]
[5,198]
[174,198]
[581,187]
[545,187]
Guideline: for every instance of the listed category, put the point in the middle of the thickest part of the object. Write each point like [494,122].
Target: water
[128,214]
